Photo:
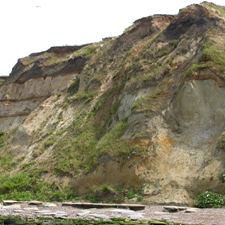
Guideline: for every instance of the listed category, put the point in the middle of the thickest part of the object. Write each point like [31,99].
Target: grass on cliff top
[218,10]
[88,50]
[48,58]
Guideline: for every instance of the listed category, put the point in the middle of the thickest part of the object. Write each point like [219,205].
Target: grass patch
[50,141]
[28,186]
[214,8]
[213,54]
[75,152]
[82,95]
[1,81]
[151,102]
[222,177]
[111,144]
[74,87]
[222,142]
[129,28]
[166,49]
[7,161]
[45,220]
[2,139]
[79,147]
[87,51]
[151,74]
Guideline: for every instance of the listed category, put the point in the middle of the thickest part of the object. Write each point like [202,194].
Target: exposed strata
[149,104]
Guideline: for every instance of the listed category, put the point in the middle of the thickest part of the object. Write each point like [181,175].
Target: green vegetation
[215,50]
[222,177]
[213,54]
[129,28]
[16,220]
[196,67]
[1,139]
[115,194]
[111,144]
[82,146]
[50,141]
[87,51]
[1,81]
[73,88]
[7,161]
[214,8]
[50,58]
[28,186]
[209,200]
[152,73]
[222,142]
[167,48]
[151,102]
[45,59]
[81,95]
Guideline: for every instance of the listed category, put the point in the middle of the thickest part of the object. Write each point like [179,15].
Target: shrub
[1,139]
[209,200]
[222,177]
[106,188]
[28,185]
[131,194]
[140,198]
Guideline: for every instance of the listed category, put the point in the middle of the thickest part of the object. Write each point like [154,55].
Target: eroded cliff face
[145,109]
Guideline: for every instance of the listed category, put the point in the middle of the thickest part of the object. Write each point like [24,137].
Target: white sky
[29,26]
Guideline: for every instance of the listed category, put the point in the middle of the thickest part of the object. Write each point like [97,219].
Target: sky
[28,26]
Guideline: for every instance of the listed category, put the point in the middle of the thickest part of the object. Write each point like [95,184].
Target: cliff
[141,113]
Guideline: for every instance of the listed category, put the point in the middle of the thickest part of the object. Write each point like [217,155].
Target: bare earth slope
[144,110]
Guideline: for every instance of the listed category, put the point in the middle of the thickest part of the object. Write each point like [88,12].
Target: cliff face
[145,109]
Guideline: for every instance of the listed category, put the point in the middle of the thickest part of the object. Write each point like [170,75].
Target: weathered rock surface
[145,109]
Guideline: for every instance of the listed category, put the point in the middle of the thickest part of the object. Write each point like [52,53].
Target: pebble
[85,213]
[11,207]
[61,214]
[18,211]
[135,217]
[115,216]
[122,210]
[35,203]
[100,216]
[191,210]
[43,211]
[48,214]
[174,208]
[10,202]
[161,213]
[31,208]
[49,204]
